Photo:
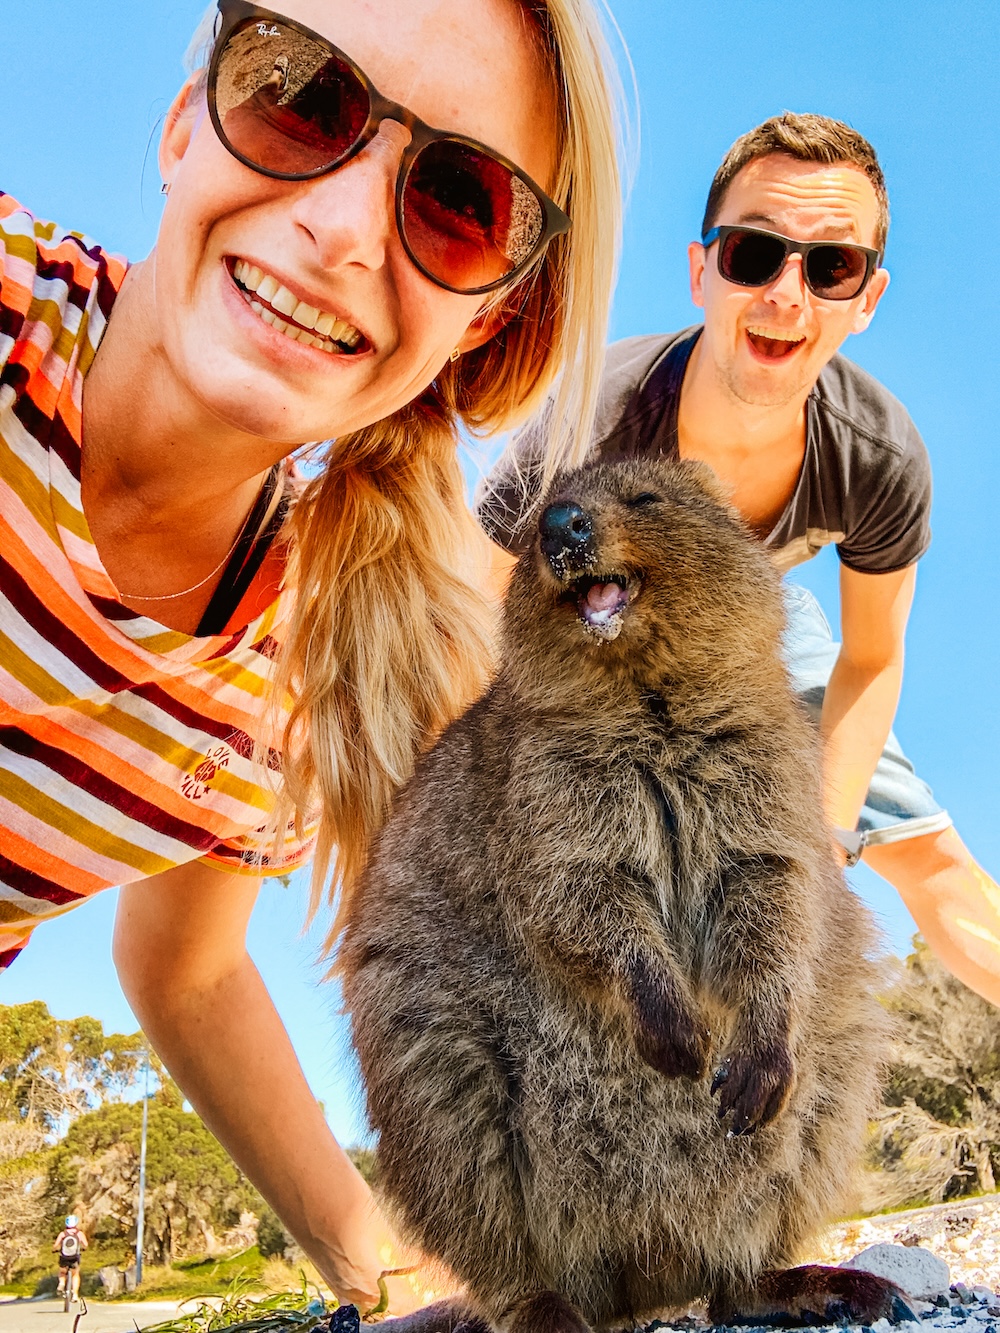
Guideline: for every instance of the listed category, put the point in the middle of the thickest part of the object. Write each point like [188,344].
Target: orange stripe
[54,868]
[131,663]
[118,769]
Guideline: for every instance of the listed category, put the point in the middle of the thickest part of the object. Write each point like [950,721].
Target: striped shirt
[125,747]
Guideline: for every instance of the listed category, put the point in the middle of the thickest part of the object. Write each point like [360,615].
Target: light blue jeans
[899,804]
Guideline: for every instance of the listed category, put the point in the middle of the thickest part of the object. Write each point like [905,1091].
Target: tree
[938,1134]
[193,1189]
[23,1173]
[53,1070]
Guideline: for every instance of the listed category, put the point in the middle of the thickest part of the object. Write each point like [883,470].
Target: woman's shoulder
[57,288]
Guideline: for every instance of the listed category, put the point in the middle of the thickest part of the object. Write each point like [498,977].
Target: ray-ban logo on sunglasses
[267,30]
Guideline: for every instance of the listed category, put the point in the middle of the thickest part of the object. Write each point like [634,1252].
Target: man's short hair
[809,138]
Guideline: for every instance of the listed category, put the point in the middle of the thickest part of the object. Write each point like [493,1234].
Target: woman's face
[462,65]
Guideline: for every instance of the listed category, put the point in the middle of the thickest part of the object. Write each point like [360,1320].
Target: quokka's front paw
[668,1036]
[755,1085]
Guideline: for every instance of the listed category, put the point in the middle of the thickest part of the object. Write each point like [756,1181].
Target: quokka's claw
[721,1074]
[902,1312]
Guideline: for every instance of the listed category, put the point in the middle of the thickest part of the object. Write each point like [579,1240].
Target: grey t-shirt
[865,482]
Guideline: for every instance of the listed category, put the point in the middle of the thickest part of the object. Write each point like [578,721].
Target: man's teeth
[776,335]
[304,323]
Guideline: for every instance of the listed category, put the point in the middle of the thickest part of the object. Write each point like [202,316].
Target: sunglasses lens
[284,103]
[750,258]
[835,272]
[466,218]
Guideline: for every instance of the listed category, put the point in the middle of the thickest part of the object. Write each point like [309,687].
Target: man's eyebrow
[843,230]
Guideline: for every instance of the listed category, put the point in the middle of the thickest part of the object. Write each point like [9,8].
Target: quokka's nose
[566,530]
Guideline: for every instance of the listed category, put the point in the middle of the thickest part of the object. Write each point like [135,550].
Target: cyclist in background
[71,1242]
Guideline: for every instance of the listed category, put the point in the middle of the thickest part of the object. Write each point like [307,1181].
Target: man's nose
[789,287]
[349,213]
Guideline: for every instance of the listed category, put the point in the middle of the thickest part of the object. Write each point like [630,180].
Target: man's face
[768,344]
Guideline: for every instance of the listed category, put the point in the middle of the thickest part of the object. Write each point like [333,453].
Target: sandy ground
[49,1317]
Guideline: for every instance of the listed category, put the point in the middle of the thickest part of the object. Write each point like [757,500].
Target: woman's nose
[350,212]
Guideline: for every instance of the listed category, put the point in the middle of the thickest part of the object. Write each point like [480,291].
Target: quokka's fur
[609,879]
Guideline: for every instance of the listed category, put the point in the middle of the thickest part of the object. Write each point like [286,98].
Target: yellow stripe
[107,845]
[69,518]
[20,246]
[27,488]
[52,692]
[45,310]
[228,672]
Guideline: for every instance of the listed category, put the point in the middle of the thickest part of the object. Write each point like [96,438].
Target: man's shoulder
[860,410]
[628,365]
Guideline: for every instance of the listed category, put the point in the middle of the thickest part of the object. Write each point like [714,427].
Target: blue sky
[85,86]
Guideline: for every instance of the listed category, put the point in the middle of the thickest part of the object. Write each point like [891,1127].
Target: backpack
[69,1247]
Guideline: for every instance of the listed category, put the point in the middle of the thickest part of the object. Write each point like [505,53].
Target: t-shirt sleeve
[254,853]
[57,288]
[889,518]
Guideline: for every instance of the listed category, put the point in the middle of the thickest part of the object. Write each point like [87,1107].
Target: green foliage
[52,1070]
[193,1188]
[272,1238]
[302,1310]
[364,1160]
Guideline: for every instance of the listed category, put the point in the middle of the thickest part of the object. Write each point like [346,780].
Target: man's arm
[181,956]
[863,690]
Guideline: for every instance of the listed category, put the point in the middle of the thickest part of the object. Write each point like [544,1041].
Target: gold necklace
[172,596]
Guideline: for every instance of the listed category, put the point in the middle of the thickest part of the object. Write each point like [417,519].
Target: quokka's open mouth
[601,601]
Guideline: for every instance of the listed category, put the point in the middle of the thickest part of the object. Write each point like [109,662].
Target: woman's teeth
[303,323]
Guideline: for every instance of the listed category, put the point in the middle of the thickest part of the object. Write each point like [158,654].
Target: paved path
[101,1316]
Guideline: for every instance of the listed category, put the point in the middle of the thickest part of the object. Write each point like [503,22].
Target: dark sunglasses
[289,104]
[751,257]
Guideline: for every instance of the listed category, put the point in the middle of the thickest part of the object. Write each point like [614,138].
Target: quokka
[612,999]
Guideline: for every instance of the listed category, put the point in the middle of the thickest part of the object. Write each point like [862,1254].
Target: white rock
[921,1274]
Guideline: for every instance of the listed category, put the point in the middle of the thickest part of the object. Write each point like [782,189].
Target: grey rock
[922,1275]
[112,1280]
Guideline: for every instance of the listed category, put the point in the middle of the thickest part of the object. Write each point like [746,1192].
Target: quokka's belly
[636,1166]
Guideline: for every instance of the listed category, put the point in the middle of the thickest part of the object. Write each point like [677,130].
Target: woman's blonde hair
[389,638]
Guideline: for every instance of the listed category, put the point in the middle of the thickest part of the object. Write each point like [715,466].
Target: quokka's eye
[640,501]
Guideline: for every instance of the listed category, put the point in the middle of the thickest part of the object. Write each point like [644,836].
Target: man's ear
[696,269]
[179,125]
[873,294]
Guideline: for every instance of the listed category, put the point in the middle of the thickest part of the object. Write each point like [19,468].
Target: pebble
[977,1310]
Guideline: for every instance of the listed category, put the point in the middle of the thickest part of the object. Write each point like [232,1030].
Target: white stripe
[20,442]
[81,804]
[32,908]
[56,843]
[38,649]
